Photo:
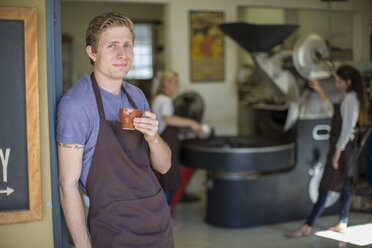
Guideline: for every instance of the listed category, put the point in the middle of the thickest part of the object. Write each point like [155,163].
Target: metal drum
[238,154]
[235,167]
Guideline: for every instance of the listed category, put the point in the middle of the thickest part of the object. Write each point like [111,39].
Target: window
[142,67]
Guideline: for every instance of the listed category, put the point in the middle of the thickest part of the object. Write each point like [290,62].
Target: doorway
[67,62]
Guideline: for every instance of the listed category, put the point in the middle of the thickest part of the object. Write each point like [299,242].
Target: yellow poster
[207,48]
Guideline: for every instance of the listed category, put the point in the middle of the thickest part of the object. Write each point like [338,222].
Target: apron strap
[134,105]
[97,93]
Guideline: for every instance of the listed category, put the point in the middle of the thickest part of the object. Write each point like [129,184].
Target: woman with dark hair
[351,111]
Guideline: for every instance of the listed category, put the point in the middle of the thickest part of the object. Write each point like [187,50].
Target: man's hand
[159,150]
[148,125]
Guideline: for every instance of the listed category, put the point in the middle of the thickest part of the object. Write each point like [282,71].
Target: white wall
[339,32]
[221,97]
[264,15]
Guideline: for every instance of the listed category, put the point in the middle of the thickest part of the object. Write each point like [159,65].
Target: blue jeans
[320,204]
[169,196]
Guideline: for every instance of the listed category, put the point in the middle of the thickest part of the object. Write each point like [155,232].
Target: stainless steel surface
[309,57]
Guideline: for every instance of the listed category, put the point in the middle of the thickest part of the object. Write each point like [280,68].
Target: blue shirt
[78,118]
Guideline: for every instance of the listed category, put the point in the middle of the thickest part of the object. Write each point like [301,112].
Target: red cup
[126,117]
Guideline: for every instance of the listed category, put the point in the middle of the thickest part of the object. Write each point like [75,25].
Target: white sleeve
[349,114]
[162,106]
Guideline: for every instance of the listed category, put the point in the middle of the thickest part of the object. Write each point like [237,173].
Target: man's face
[114,56]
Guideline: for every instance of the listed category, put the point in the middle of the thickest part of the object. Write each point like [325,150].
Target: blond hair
[101,23]
[163,76]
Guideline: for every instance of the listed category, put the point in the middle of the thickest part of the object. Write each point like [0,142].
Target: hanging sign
[20,186]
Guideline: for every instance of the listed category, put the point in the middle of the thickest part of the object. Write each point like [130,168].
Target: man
[127,207]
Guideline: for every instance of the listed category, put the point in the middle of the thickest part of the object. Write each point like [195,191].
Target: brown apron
[172,179]
[334,179]
[127,205]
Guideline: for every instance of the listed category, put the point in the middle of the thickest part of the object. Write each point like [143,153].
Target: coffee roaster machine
[271,176]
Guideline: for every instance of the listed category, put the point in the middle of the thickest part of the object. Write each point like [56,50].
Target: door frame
[55,91]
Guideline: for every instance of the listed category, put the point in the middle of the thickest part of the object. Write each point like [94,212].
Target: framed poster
[206,46]
[20,177]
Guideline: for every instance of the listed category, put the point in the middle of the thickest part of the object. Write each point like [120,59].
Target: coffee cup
[126,117]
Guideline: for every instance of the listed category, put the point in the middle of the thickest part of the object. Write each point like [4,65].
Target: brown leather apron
[127,205]
[172,179]
[334,179]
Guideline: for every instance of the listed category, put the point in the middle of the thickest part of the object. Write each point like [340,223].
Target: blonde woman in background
[162,105]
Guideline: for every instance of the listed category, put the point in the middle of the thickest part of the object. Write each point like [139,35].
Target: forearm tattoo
[75,147]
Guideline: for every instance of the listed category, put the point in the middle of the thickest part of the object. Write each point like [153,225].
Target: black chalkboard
[14,193]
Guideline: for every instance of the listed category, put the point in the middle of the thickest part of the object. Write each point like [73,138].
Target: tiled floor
[194,232]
